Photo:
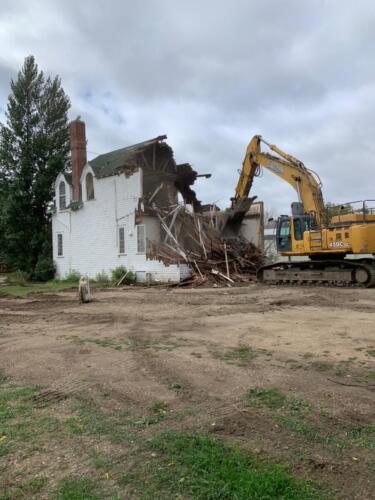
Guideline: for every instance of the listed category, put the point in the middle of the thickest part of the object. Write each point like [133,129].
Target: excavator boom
[288,168]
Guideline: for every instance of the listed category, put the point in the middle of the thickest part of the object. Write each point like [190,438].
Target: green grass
[200,467]
[93,420]
[24,290]
[298,426]
[242,355]
[270,398]
[106,342]
[18,424]
[78,489]
[363,436]
[298,405]
[172,464]
[292,415]
[25,489]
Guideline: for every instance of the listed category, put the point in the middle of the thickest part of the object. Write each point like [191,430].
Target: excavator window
[284,241]
[301,224]
[285,228]
[298,229]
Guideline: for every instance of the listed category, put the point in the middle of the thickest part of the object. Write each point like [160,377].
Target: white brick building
[103,216]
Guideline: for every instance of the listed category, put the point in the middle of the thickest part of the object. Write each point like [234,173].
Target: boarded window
[89,186]
[141,239]
[62,196]
[60,245]
[121,240]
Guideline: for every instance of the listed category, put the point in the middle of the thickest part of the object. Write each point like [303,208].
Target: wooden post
[226,259]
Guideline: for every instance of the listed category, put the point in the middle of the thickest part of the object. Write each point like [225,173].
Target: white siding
[90,234]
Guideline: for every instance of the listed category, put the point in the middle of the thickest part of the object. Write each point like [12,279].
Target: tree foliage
[34,146]
[333,209]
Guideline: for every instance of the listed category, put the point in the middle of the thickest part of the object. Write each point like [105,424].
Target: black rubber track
[322,265]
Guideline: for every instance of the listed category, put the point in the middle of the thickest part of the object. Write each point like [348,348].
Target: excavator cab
[284,234]
[291,229]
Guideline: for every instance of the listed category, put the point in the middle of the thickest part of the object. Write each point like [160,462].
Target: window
[298,232]
[141,239]
[59,245]
[285,228]
[89,186]
[62,196]
[121,240]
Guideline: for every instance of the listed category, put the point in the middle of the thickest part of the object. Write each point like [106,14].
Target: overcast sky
[210,75]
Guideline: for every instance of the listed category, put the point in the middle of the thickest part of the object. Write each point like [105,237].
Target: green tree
[34,147]
[333,209]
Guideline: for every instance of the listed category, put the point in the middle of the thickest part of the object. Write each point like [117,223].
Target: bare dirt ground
[199,351]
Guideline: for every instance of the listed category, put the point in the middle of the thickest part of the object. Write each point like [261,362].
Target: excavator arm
[288,168]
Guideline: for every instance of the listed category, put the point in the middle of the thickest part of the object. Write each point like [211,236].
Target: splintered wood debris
[194,239]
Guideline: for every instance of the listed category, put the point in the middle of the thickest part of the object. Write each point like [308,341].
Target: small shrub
[119,272]
[19,278]
[73,276]
[102,278]
[45,269]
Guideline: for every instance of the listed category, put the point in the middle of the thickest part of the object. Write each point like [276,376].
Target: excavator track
[323,272]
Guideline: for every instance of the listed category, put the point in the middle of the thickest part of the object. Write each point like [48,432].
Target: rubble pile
[196,240]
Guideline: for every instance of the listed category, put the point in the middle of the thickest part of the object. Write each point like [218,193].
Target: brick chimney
[77,135]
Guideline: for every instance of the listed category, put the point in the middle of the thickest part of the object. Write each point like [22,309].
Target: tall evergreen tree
[34,146]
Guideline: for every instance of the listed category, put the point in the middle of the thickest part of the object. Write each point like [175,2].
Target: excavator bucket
[234,217]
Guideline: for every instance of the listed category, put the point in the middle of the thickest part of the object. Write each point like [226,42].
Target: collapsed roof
[156,157]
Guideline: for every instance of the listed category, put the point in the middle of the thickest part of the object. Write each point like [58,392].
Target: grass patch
[78,489]
[106,342]
[298,405]
[297,425]
[24,290]
[92,420]
[363,436]
[27,489]
[200,467]
[270,398]
[371,352]
[101,342]
[159,411]
[18,424]
[242,355]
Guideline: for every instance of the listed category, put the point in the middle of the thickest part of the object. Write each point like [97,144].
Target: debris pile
[196,240]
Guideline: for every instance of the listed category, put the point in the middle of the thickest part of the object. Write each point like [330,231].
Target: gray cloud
[210,75]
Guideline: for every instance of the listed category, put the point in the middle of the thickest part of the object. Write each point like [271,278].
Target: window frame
[60,238]
[62,196]
[121,229]
[142,252]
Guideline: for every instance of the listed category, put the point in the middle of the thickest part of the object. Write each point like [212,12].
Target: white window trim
[62,245]
[118,240]
[144,252]
[64,195]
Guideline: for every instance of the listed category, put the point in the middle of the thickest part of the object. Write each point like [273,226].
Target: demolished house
[123,209]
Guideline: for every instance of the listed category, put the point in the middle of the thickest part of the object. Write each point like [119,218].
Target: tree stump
[84,295]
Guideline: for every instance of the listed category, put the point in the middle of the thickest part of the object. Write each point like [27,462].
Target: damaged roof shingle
[110,163]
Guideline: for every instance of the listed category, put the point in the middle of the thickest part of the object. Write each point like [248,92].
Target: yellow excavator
[328,242]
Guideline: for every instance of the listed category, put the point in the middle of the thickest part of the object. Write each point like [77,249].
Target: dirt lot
[185,359]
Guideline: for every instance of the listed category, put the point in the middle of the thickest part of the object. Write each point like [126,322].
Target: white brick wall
[90,234]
